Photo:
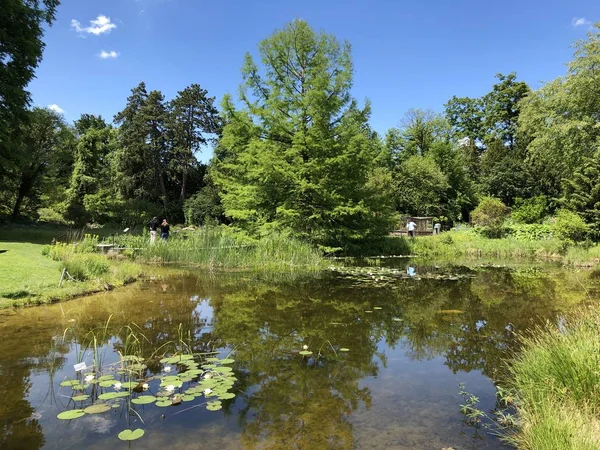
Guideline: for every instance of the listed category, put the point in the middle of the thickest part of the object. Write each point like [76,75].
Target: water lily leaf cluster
[183,378]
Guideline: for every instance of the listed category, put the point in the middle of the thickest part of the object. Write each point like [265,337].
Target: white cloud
[580,21]
[100,25]
[108,55]
[57,109]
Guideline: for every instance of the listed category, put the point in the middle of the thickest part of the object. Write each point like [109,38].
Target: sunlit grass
[215,248]
[470,244]
[556,378]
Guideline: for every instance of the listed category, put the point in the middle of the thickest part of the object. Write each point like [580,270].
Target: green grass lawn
[25,272]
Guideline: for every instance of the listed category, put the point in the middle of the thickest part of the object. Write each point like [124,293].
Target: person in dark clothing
[153,226]
[164,230]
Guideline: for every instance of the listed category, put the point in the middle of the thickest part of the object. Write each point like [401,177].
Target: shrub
[570,226]
[490,213]
[532,210]
[49,215]
[85,266]
[530,232]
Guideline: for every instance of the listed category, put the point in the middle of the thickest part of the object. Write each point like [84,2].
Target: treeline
[296,152]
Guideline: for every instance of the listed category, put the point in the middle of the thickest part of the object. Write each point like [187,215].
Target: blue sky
[407,53]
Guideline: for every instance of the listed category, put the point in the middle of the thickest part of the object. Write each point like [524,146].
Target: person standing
[164,230]
[153,226]
[411,226]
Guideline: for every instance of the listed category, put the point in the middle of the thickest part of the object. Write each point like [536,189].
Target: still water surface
[396,387]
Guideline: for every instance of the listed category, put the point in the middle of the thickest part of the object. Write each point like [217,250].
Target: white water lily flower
[145,386]
[170,388]
[207,391]
[89,378]
[207,376]
[118,385]
[167,369]
[305,347]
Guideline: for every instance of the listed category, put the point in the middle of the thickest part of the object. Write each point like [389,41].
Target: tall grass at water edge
[214,247]
[556,380]
[470,244]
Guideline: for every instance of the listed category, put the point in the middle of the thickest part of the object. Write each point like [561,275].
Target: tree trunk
[18,203]
[183,183]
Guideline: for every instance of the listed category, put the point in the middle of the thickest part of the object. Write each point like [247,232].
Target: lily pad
[112,395]
[107,383]
[214,406]
[97,408]
[163,403]
[71,414]
[223,369]
[128,435]
[213,359]
[80,398]
[226,396]
[144,400]
[227,361]
[344,349]
[70,383]
[188,398]
[305,353]
[176,384]
[106,378]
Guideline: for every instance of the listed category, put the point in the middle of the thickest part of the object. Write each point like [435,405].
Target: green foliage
[556,380]
[530,211]
[301,156]
[582,192]
[420,187]
[490,213]
[220,247]
[560,119]
[204,207]
[85,266]
[570,226]
[22,23]
[530,232]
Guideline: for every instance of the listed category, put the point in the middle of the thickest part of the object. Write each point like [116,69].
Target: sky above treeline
[406,53]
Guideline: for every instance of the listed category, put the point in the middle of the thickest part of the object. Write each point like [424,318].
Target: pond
[362,357]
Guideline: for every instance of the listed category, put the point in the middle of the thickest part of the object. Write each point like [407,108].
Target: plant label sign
[79,367]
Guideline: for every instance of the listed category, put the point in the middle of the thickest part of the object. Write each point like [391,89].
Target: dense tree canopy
[296,152]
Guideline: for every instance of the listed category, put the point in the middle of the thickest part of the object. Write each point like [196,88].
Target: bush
[490,213]
[532,210]
[49,215]
[570,226]
[530,232]
[204,207]
[85,266]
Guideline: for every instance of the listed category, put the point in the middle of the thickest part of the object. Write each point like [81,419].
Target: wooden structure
[424,226]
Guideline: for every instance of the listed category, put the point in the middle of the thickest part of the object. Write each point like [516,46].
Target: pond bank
[30,278]
[555,380]
[468,244]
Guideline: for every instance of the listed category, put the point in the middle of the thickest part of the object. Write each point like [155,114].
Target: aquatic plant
[219,247]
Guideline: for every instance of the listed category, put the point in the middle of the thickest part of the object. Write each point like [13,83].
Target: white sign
[79,367]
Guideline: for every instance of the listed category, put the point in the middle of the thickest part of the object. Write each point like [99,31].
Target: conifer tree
[301,156]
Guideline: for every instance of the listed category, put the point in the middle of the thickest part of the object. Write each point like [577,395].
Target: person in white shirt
[411,226]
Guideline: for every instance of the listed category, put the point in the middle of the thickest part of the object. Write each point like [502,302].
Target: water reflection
[410,343]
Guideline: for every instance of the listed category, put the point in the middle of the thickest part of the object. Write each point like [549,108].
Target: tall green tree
[194,121]
[92,168]
[144,154]
[45,133]
[561,118]
[302,155]
[582,192]
[133,152]
[21,48]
